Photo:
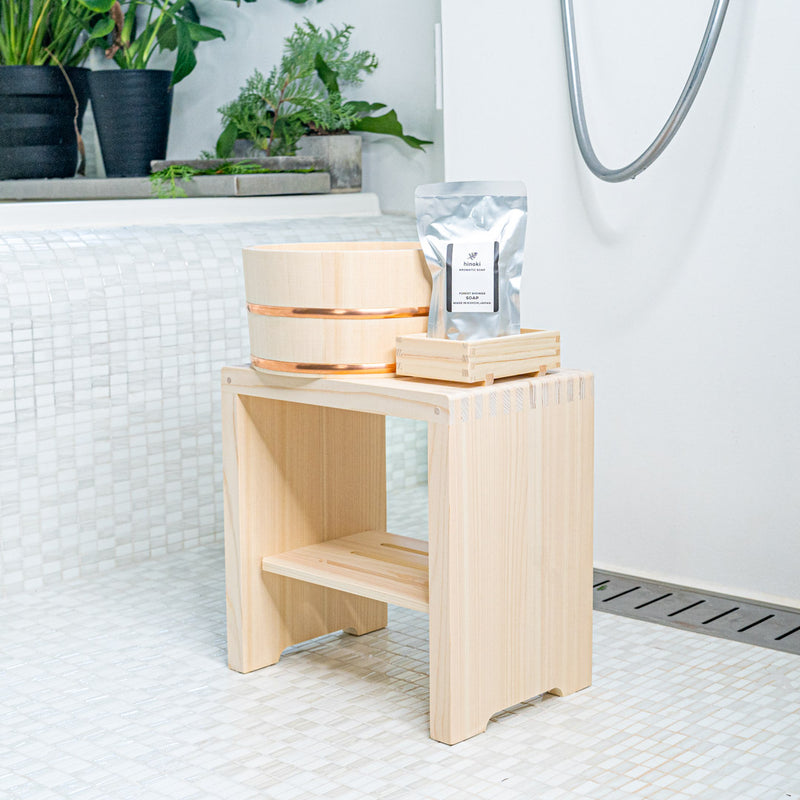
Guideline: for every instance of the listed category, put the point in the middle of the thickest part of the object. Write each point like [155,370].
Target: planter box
[339,154]
[258,185]
[275,163]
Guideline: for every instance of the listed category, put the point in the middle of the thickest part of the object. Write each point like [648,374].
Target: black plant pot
[37,121]
[131,112]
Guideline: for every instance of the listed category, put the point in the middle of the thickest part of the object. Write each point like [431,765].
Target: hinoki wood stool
[509,579]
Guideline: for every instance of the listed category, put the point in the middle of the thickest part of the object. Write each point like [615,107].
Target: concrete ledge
[255,185]
[31,216]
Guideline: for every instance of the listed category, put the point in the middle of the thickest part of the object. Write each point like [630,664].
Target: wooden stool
[508,585]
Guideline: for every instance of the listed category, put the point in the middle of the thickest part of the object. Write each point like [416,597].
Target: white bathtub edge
[191,211]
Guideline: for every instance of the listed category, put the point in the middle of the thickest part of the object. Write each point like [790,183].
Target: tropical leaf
[361,107]
[202,33]
[186,60]
[189,13]
[388,124]
[99,6]
[168,35]
[102,29]
[226,140]
[328,76]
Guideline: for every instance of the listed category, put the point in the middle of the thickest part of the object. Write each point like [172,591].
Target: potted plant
[132,105]
[299,107]
[43,90]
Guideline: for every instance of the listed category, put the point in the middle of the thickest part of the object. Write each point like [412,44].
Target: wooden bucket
[334,307]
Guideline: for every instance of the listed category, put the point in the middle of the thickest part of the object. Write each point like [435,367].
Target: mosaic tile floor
[115,687]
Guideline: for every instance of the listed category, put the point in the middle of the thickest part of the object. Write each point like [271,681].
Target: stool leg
[294,475]
[510,509]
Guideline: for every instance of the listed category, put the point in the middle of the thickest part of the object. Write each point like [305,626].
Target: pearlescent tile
[111,343]
[116,686]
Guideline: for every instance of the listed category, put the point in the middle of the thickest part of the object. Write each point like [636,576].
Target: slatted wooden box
[479,360]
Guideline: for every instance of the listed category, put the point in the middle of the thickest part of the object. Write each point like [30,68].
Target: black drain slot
[753,624]
[686,608]
[788,633]
[740,619]
[723,614]
[621,594]
[654,600]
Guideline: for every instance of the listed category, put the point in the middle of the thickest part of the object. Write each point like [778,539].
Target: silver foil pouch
[473,237]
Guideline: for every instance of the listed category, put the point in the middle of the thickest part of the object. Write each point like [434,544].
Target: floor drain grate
[693,610]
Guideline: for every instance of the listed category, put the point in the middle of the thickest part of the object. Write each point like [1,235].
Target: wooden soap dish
[480,359]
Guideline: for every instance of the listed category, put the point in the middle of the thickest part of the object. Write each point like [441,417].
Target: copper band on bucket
[320,369]
[338,313]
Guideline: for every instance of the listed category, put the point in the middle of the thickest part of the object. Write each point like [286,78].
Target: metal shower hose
[672,124]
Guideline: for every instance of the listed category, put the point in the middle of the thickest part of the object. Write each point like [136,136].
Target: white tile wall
[111,343]
[406,453]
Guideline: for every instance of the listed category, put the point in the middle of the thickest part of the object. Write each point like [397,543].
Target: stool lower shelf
[375,564]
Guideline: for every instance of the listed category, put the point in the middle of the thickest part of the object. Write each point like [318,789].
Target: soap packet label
[473,236]
[472,276]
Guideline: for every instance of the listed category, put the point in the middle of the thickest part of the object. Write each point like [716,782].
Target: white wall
[400,33]
[680,289]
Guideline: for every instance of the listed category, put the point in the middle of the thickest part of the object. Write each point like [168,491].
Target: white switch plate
[437,64]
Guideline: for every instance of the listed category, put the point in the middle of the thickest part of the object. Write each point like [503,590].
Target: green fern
[274,111]
[307,42]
